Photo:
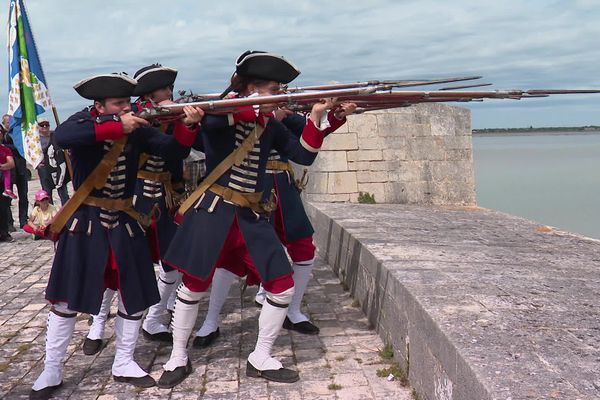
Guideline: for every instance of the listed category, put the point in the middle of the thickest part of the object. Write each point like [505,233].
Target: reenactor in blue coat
[293,228]
[158,187]
[103,243]
[227,221]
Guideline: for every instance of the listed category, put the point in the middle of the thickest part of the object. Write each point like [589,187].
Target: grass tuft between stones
[334,386]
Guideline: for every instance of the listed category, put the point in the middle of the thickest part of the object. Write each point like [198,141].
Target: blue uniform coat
[77,275]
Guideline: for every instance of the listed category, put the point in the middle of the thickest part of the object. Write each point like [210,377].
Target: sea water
[553,179]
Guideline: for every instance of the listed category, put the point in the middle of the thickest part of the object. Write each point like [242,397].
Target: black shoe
[143,382]
[276,375]
[92,346]
[201,342]
[44,393]
[170,379]
[305,327]
[6,238]
[166,337]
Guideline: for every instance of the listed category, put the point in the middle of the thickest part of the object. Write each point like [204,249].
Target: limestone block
[389,124]
[395,154]
[406,172]
[377,189]
[369,155]
[359,166]
[371,176]
[453,193]
[329,198]
[317,182]
[340,141]
[379,143]
[426,148]
[459,154]
[458,142]
[383,165]
[352,155]
[458,171]
[366,124]
[331,161]
[342,182]
[415,192]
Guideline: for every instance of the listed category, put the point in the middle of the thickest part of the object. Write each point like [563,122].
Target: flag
[28,95]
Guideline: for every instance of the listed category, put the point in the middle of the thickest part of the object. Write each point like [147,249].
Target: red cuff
[312,138]
[184,135]
[334,122]
[245,113]
[109,130]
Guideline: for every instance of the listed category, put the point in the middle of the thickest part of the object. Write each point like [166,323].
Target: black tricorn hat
[153,77]
[101,87]
[267,66]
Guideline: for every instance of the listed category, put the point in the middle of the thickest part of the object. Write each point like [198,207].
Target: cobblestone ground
[340,363]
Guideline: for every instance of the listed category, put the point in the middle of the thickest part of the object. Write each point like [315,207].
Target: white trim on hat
[126,78]
[252,55]
[156,69]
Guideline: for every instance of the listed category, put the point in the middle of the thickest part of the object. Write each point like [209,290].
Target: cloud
[537,43]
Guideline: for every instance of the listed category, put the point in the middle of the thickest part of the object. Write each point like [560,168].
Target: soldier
[103,243]
[293,228]
[226,222]
[158,187]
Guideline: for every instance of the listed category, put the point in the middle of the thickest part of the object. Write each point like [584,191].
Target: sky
[513,44]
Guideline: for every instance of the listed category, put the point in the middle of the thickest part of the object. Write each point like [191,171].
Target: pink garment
[4,153]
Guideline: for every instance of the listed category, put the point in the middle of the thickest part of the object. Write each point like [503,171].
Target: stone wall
[415,155]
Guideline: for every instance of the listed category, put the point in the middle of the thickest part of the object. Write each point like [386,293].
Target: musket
[392,83]
[465,86]
[378,95]
[227,104]
[184,97]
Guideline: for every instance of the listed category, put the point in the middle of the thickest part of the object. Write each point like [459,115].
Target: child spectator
[42,214]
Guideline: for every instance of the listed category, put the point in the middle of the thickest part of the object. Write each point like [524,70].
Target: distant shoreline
[551,131]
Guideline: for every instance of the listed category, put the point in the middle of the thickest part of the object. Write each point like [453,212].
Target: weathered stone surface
[331,161]
[341,182]
[419,147]
[480,304]
[340,141]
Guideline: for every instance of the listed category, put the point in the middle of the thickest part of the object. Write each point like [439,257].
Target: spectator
[53,169]
[42,214]
[5,153]
[20,178]
[6,173]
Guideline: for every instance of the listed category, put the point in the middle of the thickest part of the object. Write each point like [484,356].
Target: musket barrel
[363,96]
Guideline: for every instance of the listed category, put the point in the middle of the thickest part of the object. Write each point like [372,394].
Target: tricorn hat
[153,77]
[101,87]
[267,66]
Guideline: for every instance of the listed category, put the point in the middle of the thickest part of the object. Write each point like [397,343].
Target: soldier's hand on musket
[282,113]
[165,102]
[344,110]
[193,115]
[131,122]
[319,109]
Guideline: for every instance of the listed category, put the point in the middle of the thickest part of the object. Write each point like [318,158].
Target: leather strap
[234,158]
[125,205]
[277,165]
[96,179]
[248,200]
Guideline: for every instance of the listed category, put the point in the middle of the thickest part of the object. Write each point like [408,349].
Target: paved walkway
[341,363]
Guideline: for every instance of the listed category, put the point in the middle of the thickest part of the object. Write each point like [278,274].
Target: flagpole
[65,151]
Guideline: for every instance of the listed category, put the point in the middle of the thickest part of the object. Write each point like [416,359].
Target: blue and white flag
[28,95]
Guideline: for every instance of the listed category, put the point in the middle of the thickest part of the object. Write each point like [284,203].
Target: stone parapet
[416,155]
[478,305]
